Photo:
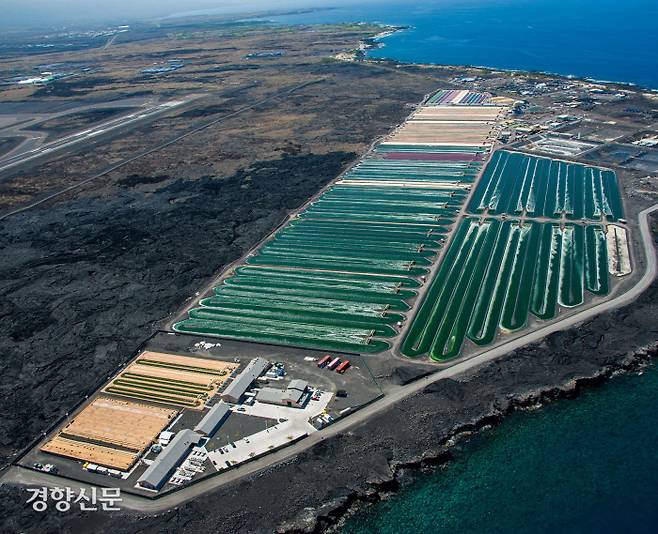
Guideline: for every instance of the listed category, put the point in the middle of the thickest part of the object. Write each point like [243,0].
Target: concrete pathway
[17,475]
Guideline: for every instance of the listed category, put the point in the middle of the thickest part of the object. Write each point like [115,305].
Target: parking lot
[285,425]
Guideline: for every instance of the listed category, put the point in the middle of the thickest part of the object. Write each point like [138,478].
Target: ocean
[573,466]
[576,466]
[601,39]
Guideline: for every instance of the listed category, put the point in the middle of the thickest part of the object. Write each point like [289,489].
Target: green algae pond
[342,274]
[495,273]
[515,183]
[345,272]
[498,271]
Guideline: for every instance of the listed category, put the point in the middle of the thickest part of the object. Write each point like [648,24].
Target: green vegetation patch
[167,399]
[156,388]
[149,378]
[179,366]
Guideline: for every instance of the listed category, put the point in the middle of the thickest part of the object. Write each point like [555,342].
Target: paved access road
[17,475]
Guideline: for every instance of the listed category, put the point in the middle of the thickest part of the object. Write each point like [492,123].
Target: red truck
[343,367]
[324,361]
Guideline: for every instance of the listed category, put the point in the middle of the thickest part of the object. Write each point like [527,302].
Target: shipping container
[333,364]
[343,367]
[324,361]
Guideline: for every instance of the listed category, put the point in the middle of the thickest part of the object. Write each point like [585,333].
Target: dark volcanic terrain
[83,282]
[87,276]
[368,461]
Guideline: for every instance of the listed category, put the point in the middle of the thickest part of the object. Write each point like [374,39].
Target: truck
[343,367]
[333,364]
[324,361]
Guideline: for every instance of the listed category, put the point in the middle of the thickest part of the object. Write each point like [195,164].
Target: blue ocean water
[575,466]
[602,39]
[589,465]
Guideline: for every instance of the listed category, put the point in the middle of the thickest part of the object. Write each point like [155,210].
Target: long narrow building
[213,419]
[237,388]
[173,454]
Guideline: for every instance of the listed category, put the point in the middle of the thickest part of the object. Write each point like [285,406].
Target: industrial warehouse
[435,245]
[168,419]
[293,395]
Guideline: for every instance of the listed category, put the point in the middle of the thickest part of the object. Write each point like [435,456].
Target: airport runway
[159,147]
[88,134]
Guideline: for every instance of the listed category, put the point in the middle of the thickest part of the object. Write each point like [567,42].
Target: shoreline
[335,479]
[400,458]
[332,516]
[392,29]
[404,473]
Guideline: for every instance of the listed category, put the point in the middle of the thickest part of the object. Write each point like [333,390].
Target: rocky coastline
[403,472]
[327,483]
